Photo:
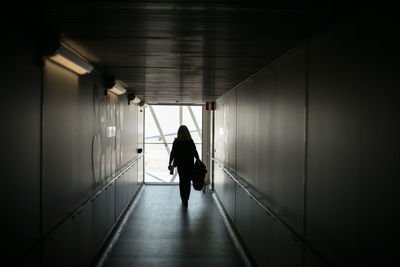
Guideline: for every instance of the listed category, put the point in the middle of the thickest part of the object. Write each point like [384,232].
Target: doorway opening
[161,126]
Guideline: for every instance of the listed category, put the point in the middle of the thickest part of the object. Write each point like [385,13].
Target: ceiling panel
[183,51]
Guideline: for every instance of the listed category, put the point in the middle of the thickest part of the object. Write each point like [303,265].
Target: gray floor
[160,232]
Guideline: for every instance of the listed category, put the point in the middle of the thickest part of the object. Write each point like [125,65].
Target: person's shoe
[185,203]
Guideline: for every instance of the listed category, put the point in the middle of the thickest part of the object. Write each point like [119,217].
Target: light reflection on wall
[111,130]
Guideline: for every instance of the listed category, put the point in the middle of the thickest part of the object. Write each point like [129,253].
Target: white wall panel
[68,130]
[271,134]
[225,149]
[269,113]
[269,242]
[339,89]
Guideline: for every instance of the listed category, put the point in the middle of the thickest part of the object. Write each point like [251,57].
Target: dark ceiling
[183,51]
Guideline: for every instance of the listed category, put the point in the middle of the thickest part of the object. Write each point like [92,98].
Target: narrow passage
[161,232]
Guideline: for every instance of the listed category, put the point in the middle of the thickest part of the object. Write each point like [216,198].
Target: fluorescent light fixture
[68,59]
[136,100]
[117,89]
[132,98]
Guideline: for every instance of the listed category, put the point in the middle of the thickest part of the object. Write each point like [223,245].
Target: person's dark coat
[183,154]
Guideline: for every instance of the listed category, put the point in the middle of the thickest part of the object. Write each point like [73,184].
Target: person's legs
[184,185]
[184,189]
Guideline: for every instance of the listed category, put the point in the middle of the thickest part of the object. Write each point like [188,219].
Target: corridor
[292,106]
[159,231]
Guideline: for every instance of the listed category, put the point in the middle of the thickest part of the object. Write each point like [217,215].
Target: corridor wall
[314,137]
[67,139]
[21,108]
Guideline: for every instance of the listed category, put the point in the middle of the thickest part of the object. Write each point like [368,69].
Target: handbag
[198,174]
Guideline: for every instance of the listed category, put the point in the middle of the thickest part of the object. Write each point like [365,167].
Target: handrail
[294,234]
[93,197]
[78,210]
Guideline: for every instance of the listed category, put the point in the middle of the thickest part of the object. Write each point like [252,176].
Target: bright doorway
[161,125]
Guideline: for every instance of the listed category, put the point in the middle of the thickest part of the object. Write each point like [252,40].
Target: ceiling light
[117,89]
[136,100]
[133,99]
[70,60]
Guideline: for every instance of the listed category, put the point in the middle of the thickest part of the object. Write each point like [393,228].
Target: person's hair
[183,133]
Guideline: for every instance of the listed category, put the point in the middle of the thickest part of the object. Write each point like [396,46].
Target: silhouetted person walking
[182,155]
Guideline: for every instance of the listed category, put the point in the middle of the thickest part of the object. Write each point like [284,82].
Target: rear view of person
[182,156]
